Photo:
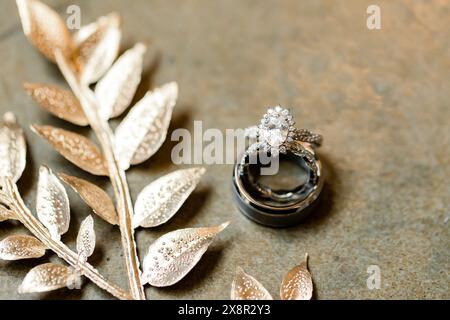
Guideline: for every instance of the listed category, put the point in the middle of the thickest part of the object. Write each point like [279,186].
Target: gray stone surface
[380,98]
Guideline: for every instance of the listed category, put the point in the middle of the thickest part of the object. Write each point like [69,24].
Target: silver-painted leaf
[245,287]
[6,214]
[76,148]
[171,257]
[20,247]
[86,239]
[160,200]
[52,204]
[45,28]
[48,277]
[143,131]
[297,284]
[58,101]
[117,88]
[12,148]
[94,197]
[97,47]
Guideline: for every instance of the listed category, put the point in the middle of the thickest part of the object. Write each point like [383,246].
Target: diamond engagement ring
[277,137]
[277,134]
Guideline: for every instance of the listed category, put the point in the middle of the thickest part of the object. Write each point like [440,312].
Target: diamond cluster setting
[277,134]
[276,129]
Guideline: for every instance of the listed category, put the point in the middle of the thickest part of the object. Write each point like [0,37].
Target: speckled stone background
[380,98]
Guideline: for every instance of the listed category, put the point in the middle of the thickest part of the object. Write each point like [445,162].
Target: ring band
[280,208]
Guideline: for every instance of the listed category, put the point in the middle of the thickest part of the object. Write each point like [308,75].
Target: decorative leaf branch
[84,58]
[296,285]
[11,199]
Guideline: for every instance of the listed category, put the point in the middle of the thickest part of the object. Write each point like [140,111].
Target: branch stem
[117,176]
[40,232]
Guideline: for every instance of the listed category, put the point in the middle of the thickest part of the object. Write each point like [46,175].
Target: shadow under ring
[279,207]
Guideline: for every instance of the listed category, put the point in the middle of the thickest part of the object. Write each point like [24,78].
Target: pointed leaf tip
[297,284]
[245,287]
[224,225]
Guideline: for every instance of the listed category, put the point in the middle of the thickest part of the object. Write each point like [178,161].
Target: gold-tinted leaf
[245,287]
[13,148]
[74,147]
[21,247]
[86,239]
[58,101]
[45,28]
[297,284]
[94,197]
[116,90]
[160,200]
[6,214]
[52,204]
[143,131]
[48,277]
[97,47]
[172,256]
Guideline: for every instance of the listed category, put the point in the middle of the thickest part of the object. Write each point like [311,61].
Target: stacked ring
[277,136]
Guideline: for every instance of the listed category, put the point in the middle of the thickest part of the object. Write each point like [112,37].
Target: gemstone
[275,131]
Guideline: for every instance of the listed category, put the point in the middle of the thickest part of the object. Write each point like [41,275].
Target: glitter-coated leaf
[12,148]
[245,287]
[172,256]
[58,101]
[117,88]
[144,130]
[6,214]
[297,284]
[21,247]
[52,203]
[45,28]
[94,197]
[77,149]
[86,239]
[160,200]
[97,47]
[48,277]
